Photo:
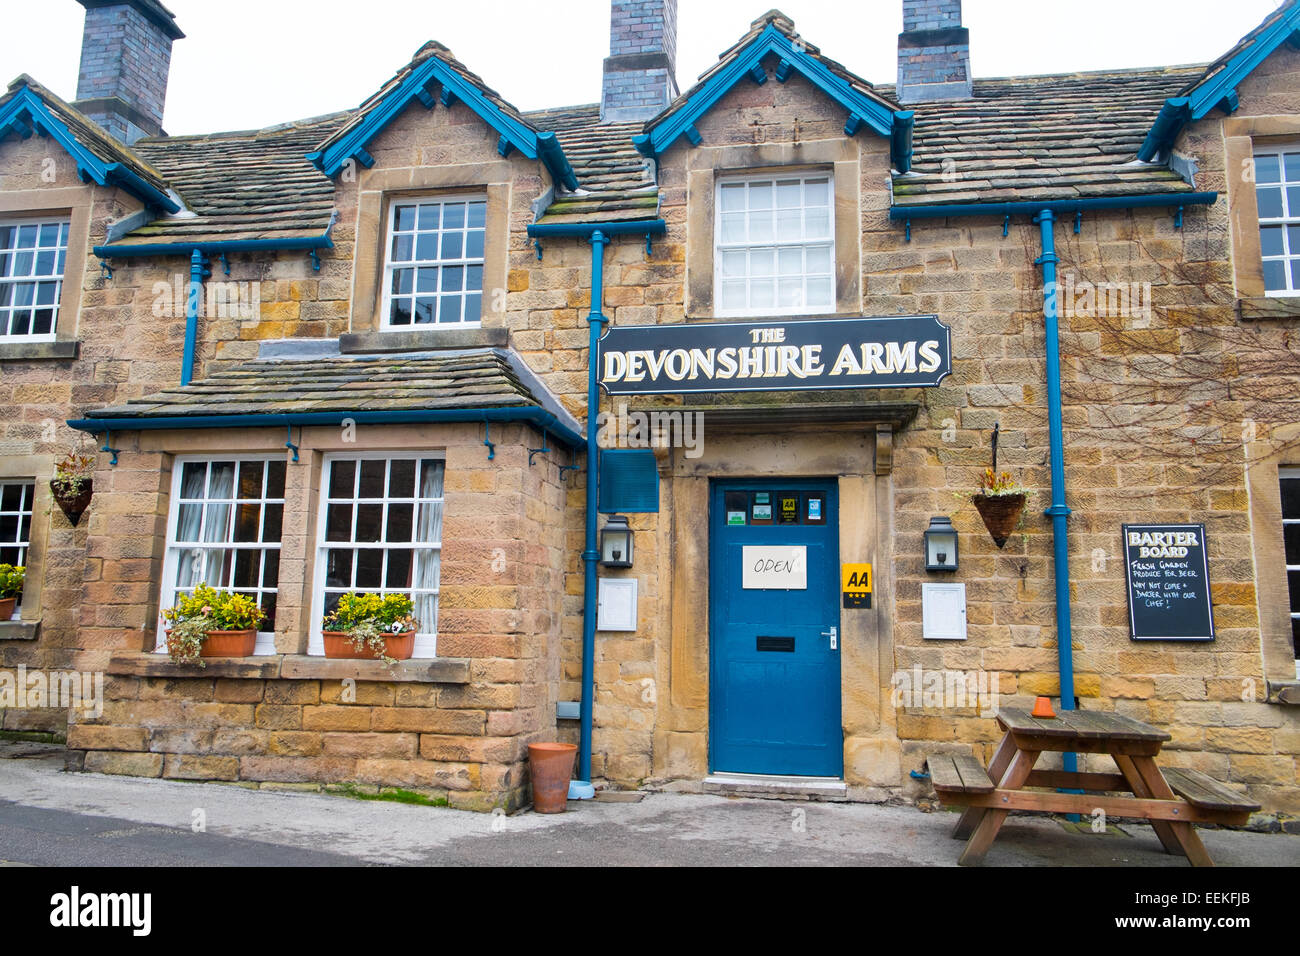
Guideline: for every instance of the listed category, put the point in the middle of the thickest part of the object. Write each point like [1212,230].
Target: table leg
[1184,833]
[989,825]
[971,816]
[1140,789]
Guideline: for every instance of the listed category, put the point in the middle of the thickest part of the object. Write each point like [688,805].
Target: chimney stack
[126,53]
[641,70]
[933,52]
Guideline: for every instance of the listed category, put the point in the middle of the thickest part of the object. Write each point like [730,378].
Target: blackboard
[1168,582]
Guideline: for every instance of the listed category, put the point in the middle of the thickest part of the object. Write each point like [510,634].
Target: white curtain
[199,565]
[428,561]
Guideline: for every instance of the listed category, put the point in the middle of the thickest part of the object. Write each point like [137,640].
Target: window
[381,533]
[1290,478]
[434,265]
[224,530]
[32,257]
[16,522]
[1277,190]
[775,246]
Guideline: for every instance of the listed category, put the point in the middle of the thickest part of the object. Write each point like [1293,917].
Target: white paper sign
[616,604]
[775,567]
[943,612]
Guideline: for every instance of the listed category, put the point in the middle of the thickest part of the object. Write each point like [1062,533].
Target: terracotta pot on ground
[397,646]
[229,644]
[1001,513]
[552,769]
[7,606]
[73,506]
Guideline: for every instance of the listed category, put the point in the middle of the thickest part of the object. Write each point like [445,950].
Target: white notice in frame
[943,612]
[766,566]
[616,604]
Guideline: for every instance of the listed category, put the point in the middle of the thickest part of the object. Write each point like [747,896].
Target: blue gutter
[1045,215]
[534,415]
[214,248]
[193,295]
[599,233]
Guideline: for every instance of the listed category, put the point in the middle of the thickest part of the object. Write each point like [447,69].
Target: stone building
[352,352]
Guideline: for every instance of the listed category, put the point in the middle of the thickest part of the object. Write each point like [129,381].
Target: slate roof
[89,133]
[614,179]
[1041,138]
[481,378]
[255,184]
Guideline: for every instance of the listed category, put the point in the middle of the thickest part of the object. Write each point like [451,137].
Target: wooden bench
[1207,793]
[958,773]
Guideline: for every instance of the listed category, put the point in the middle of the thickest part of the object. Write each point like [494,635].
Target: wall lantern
[940,545]
[616,543]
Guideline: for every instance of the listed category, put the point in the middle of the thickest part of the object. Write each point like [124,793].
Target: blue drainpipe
[590,555]
[1058,511]
[193,295]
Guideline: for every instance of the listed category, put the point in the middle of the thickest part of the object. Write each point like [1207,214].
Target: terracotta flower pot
[339,646]
[1001,514]
[552,768]
[7,606]
[73,506]
[229,643]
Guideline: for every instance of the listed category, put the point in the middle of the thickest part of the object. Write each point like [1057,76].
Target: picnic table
[1172,800]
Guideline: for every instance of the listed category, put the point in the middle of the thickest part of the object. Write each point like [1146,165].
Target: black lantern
[616,543]
[940,545]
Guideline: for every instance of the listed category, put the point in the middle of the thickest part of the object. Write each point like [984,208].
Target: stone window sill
[1284,692]
[418,339]
[1259,308]
[27,351]
[19,630]
[441,670]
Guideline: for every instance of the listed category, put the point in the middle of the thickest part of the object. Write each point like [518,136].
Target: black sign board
[891,352]
[1168,582]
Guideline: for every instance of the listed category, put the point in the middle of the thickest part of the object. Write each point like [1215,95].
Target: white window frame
[1290,217]
[385,314]
[719,247]
[1293,474]
[426,642]
[24,508]
[171,559]
[6,312]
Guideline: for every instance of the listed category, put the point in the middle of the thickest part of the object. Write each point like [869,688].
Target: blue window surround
[1219,90]
[26,113]
[895,125]
[514,134]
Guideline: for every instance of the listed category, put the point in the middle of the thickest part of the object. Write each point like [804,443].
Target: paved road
[48,817]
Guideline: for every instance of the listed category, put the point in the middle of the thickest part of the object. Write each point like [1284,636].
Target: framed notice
[1168,575]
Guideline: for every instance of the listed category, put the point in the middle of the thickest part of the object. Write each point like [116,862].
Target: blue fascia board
[1214,90]
[215,248]
[654,227]
[516,134]
[89,166]
[660,137]
[1056,206]
[534,415]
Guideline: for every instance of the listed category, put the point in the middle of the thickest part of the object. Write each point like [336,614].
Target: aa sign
[855,581]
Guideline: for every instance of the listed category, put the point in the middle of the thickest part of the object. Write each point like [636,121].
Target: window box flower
[212,623]
[11,585]
[369,627]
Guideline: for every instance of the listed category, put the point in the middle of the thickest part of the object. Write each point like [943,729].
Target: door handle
[834,635]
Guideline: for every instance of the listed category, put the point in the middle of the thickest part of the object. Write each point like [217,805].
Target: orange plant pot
[229,644]
[552,769]
[397,646]
[7,606]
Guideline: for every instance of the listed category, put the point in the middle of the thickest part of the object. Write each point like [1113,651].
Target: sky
[251,63]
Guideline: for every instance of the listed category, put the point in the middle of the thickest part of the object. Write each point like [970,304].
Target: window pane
[474,245]
[1274,275]
[399,522]
[1290,497]
[275,479]
[370,519]
[1291,532]
[11,497]
[473,305]
[400,312]
[733,295]
[453,278]
[733,228]
[820,293]
[272,521]
[405,220]
[401,249]
[426,247]
[473,278]
[1270,240]
[370,568]
[250,479]
[1293,200]
[760,227]
[1293,167]
[187,522]
[429,215]
[453,215]
[449,309]
[428,280]
[732,197]
[1270,202]
[402,281]
[477,214]
[373,474]
[338,522]
[247,520]
[401,478]
[818,260]
[762,294]
[1268,169]
[425,309]
[247,568]
[452,247]
[342,478]
[399,569]
[1293,585]
[338,568]
[271,568]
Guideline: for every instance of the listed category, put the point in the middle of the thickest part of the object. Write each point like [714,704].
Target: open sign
[766,566]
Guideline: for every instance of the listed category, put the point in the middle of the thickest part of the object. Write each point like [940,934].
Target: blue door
[774,699]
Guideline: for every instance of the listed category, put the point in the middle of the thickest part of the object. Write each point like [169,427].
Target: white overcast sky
[251,63]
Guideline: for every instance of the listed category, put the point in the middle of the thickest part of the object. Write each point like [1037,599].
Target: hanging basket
[1001,514]
[73,505]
